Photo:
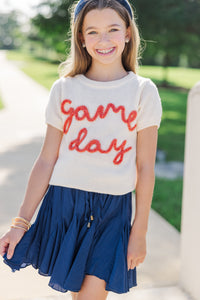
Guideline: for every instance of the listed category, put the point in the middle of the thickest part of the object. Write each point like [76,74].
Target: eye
[92,32]
[113,29]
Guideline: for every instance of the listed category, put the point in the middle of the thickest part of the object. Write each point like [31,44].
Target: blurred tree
[191,46]
[11,36]
[171,29]
[53,21]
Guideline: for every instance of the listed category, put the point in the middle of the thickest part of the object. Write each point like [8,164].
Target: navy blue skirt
[76,233]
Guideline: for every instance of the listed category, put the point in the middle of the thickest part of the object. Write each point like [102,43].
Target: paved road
[21,130]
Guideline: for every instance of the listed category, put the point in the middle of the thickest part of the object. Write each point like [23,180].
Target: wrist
[23,213]
[138,229]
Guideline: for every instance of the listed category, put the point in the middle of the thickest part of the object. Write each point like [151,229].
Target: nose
[103,37]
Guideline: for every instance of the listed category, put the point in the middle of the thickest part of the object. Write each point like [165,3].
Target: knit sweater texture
[100,121]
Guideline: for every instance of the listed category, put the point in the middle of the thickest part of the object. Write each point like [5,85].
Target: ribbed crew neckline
[111,83]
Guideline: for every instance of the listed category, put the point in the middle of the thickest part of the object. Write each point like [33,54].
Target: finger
[138,261]
[131,264]
[141,260]
[3,247]
[11,249]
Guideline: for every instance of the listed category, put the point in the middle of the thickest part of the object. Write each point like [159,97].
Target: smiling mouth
[105,51]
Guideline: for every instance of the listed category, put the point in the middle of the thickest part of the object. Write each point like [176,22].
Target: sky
[24,5]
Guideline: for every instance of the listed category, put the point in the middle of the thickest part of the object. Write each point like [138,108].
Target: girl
[100,146]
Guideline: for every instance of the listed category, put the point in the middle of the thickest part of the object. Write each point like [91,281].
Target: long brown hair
[79,61]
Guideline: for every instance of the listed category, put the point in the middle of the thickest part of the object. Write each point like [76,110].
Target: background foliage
[169,29]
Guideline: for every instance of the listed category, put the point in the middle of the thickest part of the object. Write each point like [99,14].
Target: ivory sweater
[100,121]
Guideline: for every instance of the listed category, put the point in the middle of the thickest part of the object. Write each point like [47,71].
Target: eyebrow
[93,27]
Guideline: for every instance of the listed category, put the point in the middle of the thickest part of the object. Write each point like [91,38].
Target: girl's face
[104,34]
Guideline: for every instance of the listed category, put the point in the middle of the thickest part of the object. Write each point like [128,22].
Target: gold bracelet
[23,220]
[17,223]
[14,226]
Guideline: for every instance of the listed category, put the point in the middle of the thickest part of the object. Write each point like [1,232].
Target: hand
[136,251]
[9,241]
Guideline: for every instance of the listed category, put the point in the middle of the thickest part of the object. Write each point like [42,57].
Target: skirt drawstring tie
[88,205]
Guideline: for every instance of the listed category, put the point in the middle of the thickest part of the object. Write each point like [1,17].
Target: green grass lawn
[168,193]
[171,137]
[167,200]
[182,77]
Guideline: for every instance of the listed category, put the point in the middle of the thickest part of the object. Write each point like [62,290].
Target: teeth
[105,51]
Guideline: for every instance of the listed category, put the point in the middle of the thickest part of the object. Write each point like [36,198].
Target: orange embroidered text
[81,113]
[95,145]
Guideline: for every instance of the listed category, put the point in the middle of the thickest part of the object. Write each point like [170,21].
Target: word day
[81,113]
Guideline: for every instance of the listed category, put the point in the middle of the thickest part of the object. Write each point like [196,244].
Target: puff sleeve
[150,107]
[53,114]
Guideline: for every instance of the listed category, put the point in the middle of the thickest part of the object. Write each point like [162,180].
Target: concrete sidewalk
[21,130]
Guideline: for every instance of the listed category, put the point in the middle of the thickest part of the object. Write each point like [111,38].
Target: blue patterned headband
[82,3]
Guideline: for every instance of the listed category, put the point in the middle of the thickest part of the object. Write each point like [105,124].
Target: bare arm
[41,173]
[145,162]
[36,188]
